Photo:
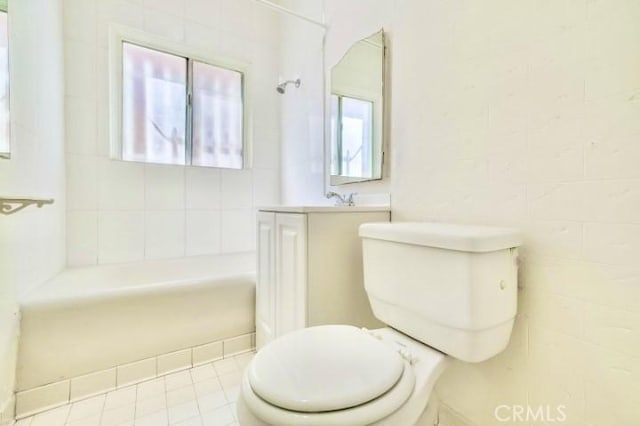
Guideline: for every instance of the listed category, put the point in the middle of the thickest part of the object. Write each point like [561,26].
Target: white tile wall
[121,236]
[202,187]
[163,187]
[238,230]
[164,234]
[31,241]
[159,211]
[202,232]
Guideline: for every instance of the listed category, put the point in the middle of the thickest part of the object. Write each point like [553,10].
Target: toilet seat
[293,379]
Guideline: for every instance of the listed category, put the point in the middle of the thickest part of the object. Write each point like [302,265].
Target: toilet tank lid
[468,238]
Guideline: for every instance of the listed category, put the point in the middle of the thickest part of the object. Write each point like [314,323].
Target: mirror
[356,112]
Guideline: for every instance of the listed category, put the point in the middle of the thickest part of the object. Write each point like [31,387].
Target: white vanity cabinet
[309,269]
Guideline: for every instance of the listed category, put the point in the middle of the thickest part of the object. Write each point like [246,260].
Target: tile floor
[203,395]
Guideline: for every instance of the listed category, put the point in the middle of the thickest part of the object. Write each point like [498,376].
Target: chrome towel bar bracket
[13,205]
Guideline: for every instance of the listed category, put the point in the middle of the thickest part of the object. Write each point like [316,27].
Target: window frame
[118,35]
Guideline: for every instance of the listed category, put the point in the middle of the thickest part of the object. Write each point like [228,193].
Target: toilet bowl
[339,375]
[446,291]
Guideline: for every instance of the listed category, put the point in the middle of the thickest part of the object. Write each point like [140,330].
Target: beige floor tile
[179,396]
[56,417]
[207,386]
[151,387]
[203,372]
[118,416]
[178,380]
[120,397]
[93,420]
[212,401]
[86,408]
[219,417]
[194,421]
[160,418]
[226,366]
[231,379]
[243,360]
[151,404]
[232,392]
[183,411]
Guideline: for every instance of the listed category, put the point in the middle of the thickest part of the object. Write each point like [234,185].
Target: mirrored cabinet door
[357,113]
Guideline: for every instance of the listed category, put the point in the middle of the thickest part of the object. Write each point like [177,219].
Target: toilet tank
[452,287]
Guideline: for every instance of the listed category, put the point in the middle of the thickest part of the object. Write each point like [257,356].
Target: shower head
[282,87]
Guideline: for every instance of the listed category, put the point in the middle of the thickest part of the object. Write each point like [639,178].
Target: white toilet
[444,290]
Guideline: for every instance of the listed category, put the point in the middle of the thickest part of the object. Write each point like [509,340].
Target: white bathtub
[94,318]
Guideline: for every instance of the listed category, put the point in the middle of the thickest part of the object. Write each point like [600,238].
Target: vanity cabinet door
[291,272]
[265,279]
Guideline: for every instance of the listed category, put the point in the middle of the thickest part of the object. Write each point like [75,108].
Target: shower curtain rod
[286,10]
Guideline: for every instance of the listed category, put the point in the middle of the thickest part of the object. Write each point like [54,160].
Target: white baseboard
[7,412]
[449,417]
[42,398]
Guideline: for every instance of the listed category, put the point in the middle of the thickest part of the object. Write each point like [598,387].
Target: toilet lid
[325,368]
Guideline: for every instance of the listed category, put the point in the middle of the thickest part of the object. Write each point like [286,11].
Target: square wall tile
[42,398]
[236,189]
[202,188]
[164,24]
[80,73]
[207,353]
[174,361]
[82,238]
[120,236]
[203,232]
[120,185]
[164,187]
[82,182]
[164,234]
[81,128]
[266,187]
[92,384]
[136,372]
[237,231]
[80,20]
[118,12]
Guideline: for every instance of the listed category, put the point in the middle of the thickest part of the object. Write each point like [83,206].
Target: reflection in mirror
[4,80]
[356,112]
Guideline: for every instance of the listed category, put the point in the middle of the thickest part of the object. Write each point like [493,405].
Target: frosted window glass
[217,117]
[154,89]
[4,84]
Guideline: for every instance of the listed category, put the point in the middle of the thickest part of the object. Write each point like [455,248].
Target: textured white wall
[527,113]
[119,211]
[31,241]
[524,113]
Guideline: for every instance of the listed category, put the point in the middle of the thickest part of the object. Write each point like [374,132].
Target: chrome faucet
[342,200]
